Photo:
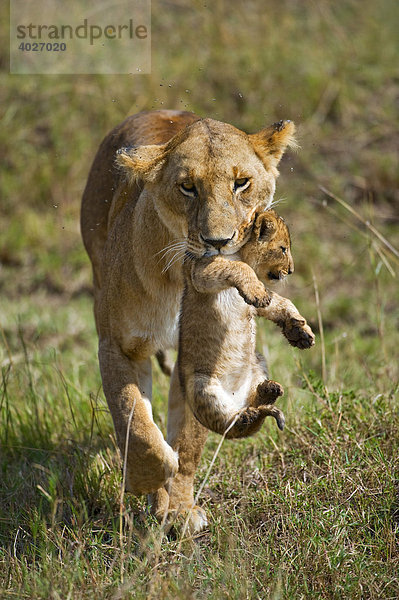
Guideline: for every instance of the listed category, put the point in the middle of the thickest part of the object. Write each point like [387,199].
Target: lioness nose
[216,243]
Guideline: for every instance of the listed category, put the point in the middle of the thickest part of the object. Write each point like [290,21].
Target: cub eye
[241,184]
[283,249]
[188,188]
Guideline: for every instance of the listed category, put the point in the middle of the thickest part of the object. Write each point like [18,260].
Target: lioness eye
[241,184]
[283,249]
[188,188]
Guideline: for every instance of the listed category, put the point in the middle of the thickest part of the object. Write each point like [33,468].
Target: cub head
[268,251]
[209,180]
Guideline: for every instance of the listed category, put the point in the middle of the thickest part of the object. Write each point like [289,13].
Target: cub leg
[264,393]
[214,274]
[210,403]
[285,314]
[250,419]
[217,410]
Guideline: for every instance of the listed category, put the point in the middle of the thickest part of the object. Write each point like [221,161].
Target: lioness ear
[141,162]
[270,143]
[264,227]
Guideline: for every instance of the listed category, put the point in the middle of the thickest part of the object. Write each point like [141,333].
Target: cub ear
[270,143]
[265,227]
[141,162]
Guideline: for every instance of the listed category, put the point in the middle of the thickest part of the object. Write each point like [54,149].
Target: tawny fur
[222,377]
[135,223]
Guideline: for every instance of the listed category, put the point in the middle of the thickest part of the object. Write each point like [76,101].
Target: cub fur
[223,378]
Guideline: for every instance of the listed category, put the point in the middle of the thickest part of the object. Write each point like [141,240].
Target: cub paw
[298,333]
[267,392]
[249,421]
[257,296]
[273,411]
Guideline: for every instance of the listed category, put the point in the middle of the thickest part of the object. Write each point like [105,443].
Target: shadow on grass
[60,467]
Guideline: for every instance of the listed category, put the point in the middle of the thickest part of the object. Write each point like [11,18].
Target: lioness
[185,176]
[222,377]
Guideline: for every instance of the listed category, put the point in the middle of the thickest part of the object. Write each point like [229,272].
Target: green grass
[309,513]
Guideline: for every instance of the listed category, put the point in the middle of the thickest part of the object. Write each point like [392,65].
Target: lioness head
[208,181]
[268,251]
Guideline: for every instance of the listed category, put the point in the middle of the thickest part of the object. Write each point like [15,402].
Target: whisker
[189,255]
[171,263]
[169,250]
[175,258]
[171,245]
[177,248]
[172,248]
[276,202]
[283,282]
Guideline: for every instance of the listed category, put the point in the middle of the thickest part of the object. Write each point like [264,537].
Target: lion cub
[222,377]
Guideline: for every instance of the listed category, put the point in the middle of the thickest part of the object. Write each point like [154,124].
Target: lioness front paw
[257,296]
[149,475]
[298,333]
[186,521]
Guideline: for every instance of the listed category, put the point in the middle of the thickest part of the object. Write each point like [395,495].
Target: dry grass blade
[121,504]
[383,251]
[321,330]
[360,218]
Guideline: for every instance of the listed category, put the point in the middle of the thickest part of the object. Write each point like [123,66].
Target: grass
[312,512]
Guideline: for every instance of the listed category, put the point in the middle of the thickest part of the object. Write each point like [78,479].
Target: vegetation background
[309,513]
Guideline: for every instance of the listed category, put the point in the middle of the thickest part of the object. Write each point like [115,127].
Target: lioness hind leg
[165,364]
[187,437]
